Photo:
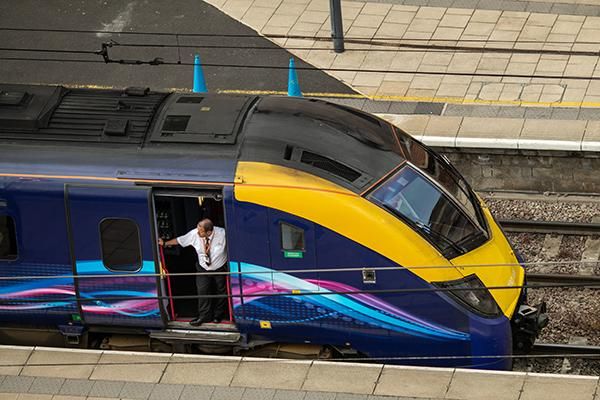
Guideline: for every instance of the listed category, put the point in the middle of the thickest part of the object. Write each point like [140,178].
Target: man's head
[205,228]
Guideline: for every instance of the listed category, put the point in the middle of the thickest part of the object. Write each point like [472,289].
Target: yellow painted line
[449,100]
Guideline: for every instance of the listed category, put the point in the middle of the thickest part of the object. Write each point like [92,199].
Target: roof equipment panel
[26,107]
[202,118]
[54,113]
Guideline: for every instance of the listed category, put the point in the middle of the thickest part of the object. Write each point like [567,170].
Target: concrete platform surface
[512,76]
[38,373]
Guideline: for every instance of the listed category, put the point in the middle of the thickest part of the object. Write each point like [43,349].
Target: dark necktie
[207,251]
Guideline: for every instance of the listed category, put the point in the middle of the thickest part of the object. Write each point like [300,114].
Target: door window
[120,240]
[292,237]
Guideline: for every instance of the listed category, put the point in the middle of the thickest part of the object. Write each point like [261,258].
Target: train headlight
[471,292]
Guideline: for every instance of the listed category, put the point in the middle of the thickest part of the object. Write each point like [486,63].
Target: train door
[177,212]
[113,251]
[292,247]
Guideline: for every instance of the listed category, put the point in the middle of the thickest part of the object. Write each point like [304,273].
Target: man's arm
[168,243]
[183,241]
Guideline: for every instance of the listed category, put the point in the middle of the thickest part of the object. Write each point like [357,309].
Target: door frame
[212,191]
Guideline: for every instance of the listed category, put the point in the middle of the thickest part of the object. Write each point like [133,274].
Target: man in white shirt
[210,245]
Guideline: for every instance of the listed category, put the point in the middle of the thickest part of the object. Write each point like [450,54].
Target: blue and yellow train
[344,233]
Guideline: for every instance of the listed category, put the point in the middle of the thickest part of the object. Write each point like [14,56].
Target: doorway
[178,212]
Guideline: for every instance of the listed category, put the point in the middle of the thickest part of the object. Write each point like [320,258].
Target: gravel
[573,312]
[544,210]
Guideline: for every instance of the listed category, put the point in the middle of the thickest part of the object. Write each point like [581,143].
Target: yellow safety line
[452,100]
[449,100]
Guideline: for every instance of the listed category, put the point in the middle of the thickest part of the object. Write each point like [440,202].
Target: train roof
[138,133]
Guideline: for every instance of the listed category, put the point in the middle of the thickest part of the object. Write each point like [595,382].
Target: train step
[204,335]
[207,326]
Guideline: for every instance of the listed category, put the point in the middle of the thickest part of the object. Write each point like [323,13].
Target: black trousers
[212,284]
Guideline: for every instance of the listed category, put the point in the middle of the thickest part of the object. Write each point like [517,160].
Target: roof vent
[13,98]
[190,99]
[137,91]
[329,165]
[116,127]
[175,123]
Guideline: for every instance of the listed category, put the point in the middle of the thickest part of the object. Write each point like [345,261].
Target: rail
[549,227]
[558,279]
[566,350]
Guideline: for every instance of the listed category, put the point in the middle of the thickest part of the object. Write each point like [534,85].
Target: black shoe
[217,320]
[198,321]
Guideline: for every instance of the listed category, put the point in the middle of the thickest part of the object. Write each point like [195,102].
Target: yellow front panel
[342,211]
[497,250]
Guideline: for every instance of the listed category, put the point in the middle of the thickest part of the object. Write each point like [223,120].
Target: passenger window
[292,237]
[120,240]
[8,238]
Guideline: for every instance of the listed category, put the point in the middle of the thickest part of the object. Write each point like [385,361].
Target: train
[346,237]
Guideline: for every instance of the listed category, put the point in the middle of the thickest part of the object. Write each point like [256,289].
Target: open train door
[113,255]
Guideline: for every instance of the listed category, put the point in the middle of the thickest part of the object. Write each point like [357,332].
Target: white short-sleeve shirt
[218,247]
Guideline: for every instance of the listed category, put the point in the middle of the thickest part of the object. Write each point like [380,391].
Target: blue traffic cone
[199,82]
[293,86]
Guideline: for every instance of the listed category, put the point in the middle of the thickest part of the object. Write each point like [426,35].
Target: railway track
[557,349]
[555,228]
[584,280]
[549,227]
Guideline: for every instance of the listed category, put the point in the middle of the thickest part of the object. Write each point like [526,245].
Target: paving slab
[352,378]
[489,132]
[536,131]
[131,367]
[196,392]
[13,355]
[76,387]
[16,384]
[289,395]
[475,385]
[227,393]
[44,385]
[441,131]
[166,391]
[591,138]
[559,387]
[102,398]
[106,389]
[413,382]
[258,394]
[320,396]
[136,390]
[270,373]
[61,363]
[32,396]
[201,370]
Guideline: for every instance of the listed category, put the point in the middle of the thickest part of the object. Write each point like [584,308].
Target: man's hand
[161,242]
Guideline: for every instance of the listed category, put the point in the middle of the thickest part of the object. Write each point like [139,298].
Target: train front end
[441,284]
[429,195]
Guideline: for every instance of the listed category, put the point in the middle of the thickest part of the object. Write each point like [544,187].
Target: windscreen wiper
[455,246]
[474,235]
[458,248]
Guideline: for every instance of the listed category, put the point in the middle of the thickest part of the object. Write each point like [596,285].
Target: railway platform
[65,374]
[469,74]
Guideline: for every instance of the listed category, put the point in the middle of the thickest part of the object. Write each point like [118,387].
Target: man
[210,245]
